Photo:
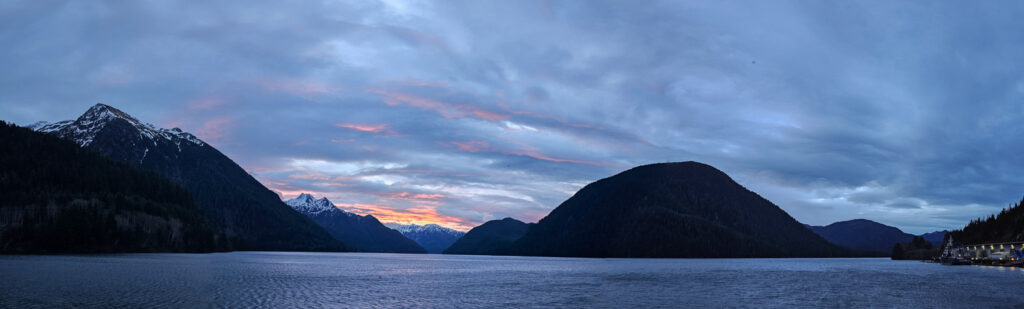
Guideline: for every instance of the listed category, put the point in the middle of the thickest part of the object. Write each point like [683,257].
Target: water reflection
[263,279]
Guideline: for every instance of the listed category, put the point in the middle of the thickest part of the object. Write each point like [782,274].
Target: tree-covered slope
[56,197]
[863,235]
[492,237]
[1006,226]
[252,216]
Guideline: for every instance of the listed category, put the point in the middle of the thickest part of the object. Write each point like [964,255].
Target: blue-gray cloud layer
[461,112]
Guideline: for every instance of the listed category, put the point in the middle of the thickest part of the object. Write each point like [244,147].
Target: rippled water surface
[276,280]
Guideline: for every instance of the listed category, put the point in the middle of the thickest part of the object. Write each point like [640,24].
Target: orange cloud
[421,214]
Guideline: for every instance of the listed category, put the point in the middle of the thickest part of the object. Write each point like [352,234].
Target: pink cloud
[214,129]
[471,146]
[547,158]
[370,128]
[205,103]
[489,115]
[172,124]
[529,151]
[447,110]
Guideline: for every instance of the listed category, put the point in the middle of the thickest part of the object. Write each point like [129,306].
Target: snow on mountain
[433,237]
[428,228]
[363,233]
[84,129]
[306,204]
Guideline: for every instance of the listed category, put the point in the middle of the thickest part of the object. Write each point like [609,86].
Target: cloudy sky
[458,112]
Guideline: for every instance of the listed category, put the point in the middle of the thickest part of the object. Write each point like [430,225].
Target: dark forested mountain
[252,217]
[916,249]
[686,209]
[1007,226]
[492,237]
[433,237]
[60,198]
[863,235]
[935,238]
[360,233]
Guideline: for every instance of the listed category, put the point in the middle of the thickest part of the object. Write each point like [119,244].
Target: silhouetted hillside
[492,237]
[56,197]
[1007,226]
[916,249]
[935,237]
[863,235]
[684,209]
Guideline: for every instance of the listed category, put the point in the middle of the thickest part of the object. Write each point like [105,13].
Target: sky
[459,112]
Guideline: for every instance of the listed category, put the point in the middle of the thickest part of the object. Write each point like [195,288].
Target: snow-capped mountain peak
[433,237]
[103,112]
[307,204]
[84,129]
[416,228]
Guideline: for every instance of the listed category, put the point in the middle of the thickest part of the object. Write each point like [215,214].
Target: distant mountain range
[936,238]
[176,193]
[60,198]
[361,233]
[686,209]
[251,216]
[434,238]
[491,238]
[863,235]
[869,236]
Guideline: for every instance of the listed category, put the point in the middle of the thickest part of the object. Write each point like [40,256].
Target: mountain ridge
[490,238]
[252,217]
[869,236]
[433,237]
[61,198]
[362,233]
[679,209]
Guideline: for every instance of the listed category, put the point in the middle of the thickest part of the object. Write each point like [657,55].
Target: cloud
[377,128]
[897,112]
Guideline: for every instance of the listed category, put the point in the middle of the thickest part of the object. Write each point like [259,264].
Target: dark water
[281,280]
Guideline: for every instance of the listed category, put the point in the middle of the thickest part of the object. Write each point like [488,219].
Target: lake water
[286,279]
